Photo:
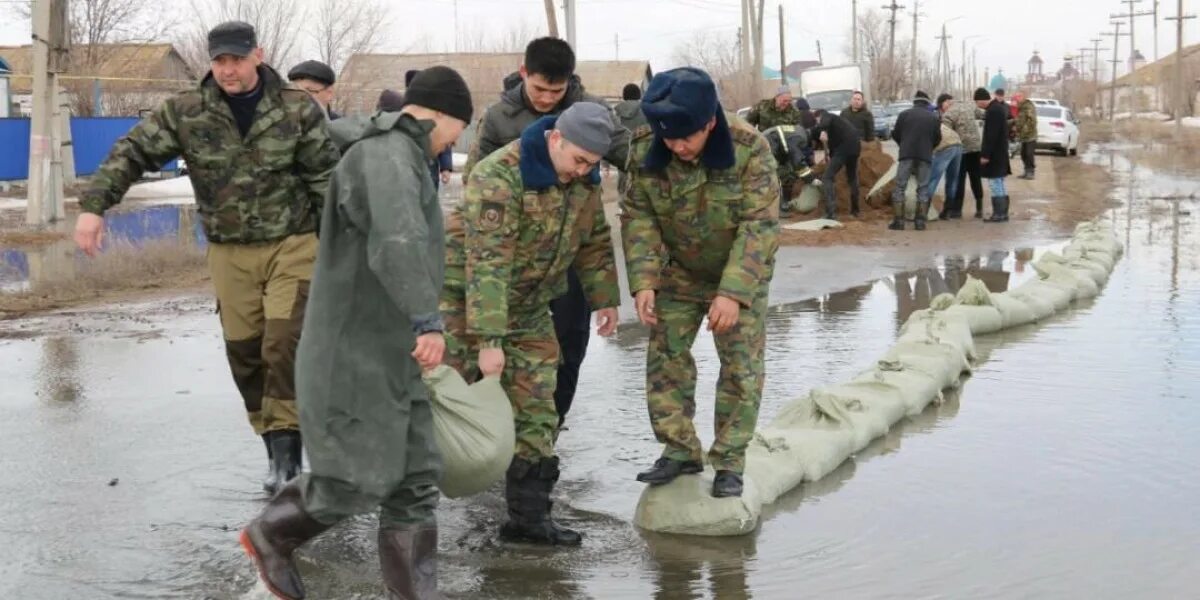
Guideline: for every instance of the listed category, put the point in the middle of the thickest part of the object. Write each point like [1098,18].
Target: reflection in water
[58,379]
[679,564]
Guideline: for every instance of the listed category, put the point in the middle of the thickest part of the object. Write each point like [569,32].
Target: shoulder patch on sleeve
[491,216]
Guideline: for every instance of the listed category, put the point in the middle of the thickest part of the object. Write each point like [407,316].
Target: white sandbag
[1056,295]
[1041,308]
[808,199]
[1093,271]
[1015,312]
[795,454]
[982,319]
[940,328]
[473,428]
[944,363]
[1105,259]
[686,506]
[868,420]
[1051,268]
[916,388]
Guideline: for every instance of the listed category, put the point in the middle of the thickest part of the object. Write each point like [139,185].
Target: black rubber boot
[898,217]
[666,470]
[919,218]
[286,452]
[999,210]
[270,483]
[979,208]
[727,484]
[527,490]
[408,561]
[270,540]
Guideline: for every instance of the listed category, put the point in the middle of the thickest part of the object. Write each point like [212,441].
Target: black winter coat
[918,131]
[995,141]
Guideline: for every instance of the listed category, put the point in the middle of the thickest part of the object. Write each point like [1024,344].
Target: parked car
[1058,130]
[883,130]
[1045,101]
[894,110]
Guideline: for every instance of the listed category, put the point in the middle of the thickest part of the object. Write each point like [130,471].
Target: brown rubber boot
[270,540]
[408,560]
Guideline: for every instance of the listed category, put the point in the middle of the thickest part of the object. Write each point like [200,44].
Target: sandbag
[686,506]
[473,429]
[1073,252]
[808,200]
[1093,271]
[1041,308]
[1014,312]
[916,388]
[937,327]
[982,319]
[1056,295]
[1051,268]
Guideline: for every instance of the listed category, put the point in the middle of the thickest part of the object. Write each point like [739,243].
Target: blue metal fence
[91,139]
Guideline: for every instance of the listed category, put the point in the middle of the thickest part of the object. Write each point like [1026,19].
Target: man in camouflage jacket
[782,113]
[260,159]
[530,212]
[700,227]
[1027,133]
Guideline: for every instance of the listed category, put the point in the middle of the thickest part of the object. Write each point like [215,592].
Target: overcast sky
[651,29]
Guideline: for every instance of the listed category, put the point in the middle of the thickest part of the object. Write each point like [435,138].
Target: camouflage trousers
[261,293]
[671,381]
[530,373]
[787,181]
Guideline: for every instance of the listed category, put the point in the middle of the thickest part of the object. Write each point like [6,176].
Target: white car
[1058,130]
[1045,101]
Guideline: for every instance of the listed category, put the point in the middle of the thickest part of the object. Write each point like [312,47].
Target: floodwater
[1065,467]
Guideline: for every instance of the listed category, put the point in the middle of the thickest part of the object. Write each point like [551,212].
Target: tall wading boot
[286,451]
[898,217]
[270,483]
[999,210]
[408,561]
[979,207]
[269,541]
[527,487]
[922,214]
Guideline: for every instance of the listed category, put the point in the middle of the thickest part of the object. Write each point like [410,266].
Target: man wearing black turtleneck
[244,105]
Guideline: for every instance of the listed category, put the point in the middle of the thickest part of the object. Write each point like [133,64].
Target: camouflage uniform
[1027,134]
[691,234]
[259,198]
[765,115]
[509,245]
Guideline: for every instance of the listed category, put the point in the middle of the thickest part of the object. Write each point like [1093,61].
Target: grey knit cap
[587,125]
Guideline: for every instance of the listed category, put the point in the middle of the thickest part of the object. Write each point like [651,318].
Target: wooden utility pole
[1112,86]
[782,53]
[45,143]
[916,12]
[616,46]
[853,27]
[569,19]
[820,57]
[1180,88]
[1096,69]
[551,19]
[891,66]
[745,37]
[944,59]
[1135,106]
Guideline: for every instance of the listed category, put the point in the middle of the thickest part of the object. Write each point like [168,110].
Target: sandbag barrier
[814,434]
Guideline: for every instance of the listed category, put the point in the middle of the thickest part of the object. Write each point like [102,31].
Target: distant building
[1151,87]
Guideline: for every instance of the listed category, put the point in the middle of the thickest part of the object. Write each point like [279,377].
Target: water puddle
[1065,464]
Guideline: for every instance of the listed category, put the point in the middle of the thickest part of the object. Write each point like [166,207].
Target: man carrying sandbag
[530,211]
[372,326]
[700,228]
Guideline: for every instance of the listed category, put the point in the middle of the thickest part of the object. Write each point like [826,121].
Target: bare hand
[824,137]
[723,314]
[644,303]
[491,362]
[89,233]
[429,350]
[606,321]
[984,161]
[445,176]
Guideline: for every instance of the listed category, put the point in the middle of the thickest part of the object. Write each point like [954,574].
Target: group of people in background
[957,141]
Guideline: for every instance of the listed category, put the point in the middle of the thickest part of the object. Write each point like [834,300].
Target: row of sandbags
[816,433]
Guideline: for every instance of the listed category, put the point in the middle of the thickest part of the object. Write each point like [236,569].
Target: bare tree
[278,24]
[348,27]
[479,37]
[718,54]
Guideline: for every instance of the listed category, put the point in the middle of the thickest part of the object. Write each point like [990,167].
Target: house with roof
[1151,87]
[105,79]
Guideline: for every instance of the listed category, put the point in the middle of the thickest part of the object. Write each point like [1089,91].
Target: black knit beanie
[982,94]
[441,89]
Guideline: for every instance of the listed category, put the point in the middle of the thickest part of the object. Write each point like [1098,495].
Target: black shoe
[665,470]
[270,540]
[727,484]
[286,452]
[922,214]
[897,225]
[527,490]
[270,482]
[408,561]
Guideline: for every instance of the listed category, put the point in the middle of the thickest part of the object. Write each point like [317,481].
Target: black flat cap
[232,37]
[314,70]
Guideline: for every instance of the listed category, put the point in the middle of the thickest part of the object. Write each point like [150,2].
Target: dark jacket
[844,137]
[995,141]
[504,121]
[918,131]
[377,281]
[630,114]
[863,120]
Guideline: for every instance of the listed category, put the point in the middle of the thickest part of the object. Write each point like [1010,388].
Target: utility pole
[551,20]
[782,52]
[944,59]
[745,37]
[916,12]
[456,26]
[1180,88]
[1131,15]
[569,18]
[45,145]
[1096,69]
[1112,86]
[616,46]
[1155,13]
[892,49]
[853,26]
[820,57]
